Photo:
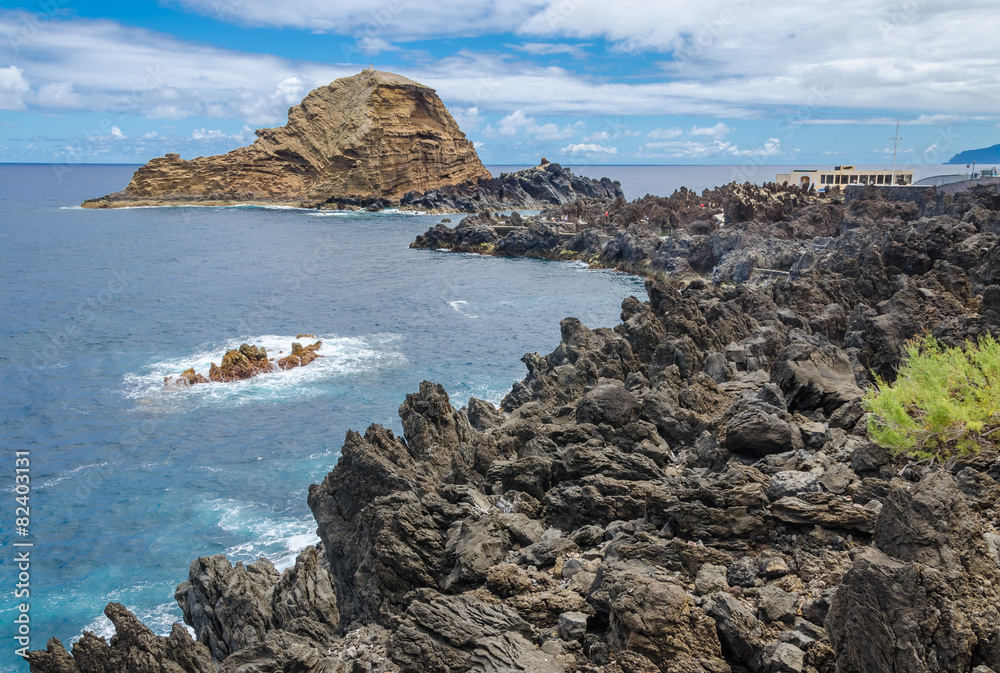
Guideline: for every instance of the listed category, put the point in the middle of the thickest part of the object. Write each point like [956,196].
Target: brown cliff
[375,135]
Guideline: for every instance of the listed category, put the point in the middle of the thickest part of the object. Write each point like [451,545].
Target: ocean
[130,482]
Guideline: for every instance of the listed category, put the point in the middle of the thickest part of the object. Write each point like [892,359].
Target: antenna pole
[895,145]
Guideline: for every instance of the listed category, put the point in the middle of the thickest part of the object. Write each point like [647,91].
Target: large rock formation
[372,136]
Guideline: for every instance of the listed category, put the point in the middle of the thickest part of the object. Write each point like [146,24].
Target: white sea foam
[343,357]
[160,620]
[278,540]
[458,306]
[75,471]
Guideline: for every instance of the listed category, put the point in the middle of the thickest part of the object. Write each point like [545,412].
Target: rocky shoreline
[691,491]
[547,184]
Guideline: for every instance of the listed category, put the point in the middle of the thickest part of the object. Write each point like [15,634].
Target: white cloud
[720,130]
[697,149]
[517,123]
[588,148]
[389,19]
[725,55]
[208,134]
[242,137]
[122,70]
[551,49]
[664,134]
[929,61]
[273,107]
[375,45]
[117,133]
[467,119]
[58,95]
[13,87]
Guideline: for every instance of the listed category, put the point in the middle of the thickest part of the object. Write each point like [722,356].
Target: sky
[577,81]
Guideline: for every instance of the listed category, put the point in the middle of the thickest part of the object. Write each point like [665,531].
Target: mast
[895,144]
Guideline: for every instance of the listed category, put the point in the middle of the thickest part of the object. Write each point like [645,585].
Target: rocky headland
[370,136]
[692,491]
[371,141]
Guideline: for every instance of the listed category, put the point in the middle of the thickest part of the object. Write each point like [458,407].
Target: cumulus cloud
[273,107]
[697,149]
[388,19]
[104,66]
[13,87]
[720,130]
[551,49]
[663,134]
[518,123]
[588,148]
[468,119]
[924,55]
[58,95]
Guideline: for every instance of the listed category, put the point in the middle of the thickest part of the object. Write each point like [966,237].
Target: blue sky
[577,81]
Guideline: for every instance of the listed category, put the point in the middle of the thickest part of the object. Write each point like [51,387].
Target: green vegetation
[945,401]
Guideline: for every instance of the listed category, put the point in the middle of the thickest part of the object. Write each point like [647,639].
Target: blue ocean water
[131,482]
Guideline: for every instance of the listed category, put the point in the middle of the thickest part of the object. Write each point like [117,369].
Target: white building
[842,176]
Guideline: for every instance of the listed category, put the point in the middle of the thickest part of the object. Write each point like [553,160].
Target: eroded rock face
[362,138]
[233,608]
[924,596]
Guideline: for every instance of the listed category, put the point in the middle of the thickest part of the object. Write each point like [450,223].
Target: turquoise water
[131,482]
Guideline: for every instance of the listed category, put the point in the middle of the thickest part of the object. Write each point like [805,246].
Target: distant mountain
[986,155]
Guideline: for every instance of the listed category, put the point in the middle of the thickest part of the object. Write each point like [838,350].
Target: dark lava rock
[133,649]
[610,404]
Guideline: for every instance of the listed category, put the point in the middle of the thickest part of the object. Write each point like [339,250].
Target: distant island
[986,155]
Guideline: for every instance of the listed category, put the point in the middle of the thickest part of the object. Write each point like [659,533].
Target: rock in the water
[531,188]
[246,362]
[233,608]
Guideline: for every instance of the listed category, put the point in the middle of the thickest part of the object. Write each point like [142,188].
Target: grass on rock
[944,402]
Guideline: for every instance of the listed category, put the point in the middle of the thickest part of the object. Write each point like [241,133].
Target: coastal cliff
[375,135]
[692,490]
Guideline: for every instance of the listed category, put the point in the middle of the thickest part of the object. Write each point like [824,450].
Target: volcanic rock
[133,649]
[246,362]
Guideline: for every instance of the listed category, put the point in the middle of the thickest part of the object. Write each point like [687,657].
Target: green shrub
[945,401]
